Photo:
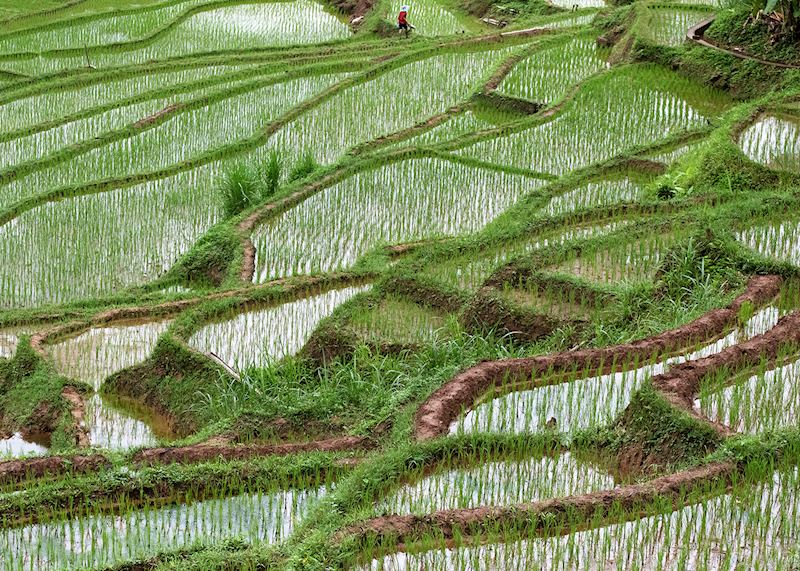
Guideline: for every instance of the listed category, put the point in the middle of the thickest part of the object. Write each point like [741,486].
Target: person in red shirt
[402,20]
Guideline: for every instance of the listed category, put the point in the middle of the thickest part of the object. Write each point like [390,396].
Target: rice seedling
[453,128]
[715,3]
[102,540]
[398,321]
[402,202]
[668,26]
[619,111]
[9,338]
[602,193]
[429,17]
[101,351]
[584,403]
[260,337]
[46,141]
[50,105]
[555,302]
[168,144]
[116,426]
[471,271]
[581,3]
[499,483]
[569,21]
[396,100]
[121,215]
[779,241]
[100,244]
[773,140]
[669,157]
[632,262]
[768,400]
[753,527]
[592,400]
[546,75]
[265,24]
[111,29]
[270,24]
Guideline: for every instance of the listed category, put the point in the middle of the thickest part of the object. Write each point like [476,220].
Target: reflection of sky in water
[16,447]
[92,357]
[100,352]
[255,338]
[110,428]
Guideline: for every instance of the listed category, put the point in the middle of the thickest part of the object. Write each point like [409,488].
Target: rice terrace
[376,285]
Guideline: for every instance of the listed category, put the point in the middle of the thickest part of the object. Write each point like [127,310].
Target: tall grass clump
[305,165]
[244,185]
[238,189]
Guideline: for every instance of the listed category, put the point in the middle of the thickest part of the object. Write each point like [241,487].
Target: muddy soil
[148,121]
[488,311]
[205,452]
[77,412]
[13,471]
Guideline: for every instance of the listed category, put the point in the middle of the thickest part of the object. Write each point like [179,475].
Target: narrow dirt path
[696,34]
[206,452]
[12,471]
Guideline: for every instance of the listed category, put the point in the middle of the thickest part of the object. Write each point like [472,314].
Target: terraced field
[284,288]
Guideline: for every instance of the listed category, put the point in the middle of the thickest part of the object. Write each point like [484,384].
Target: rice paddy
[429,17]
[158,147]
[594,194]
[9,338]
[97,354]
[406,201]
[285,287]
[17,446]
[390,103]
[607,117]
[100,540]
[590,401]
[669,26]
[98,244]
[753,527]
[776,241]
[633,262]
[500,483]
[766,401]
[774,140]
[396,320]
[263,24]
[546,76]
[257,338]
[470,272]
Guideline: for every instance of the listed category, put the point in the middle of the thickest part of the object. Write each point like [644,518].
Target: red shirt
[401,19]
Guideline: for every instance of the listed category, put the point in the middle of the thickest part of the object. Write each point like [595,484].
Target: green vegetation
[281,290]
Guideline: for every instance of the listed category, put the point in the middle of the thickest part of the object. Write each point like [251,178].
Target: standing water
[95,355]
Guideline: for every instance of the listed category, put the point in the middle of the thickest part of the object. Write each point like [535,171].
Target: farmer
[402,21]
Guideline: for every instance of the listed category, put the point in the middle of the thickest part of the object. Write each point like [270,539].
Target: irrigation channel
[282,287]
